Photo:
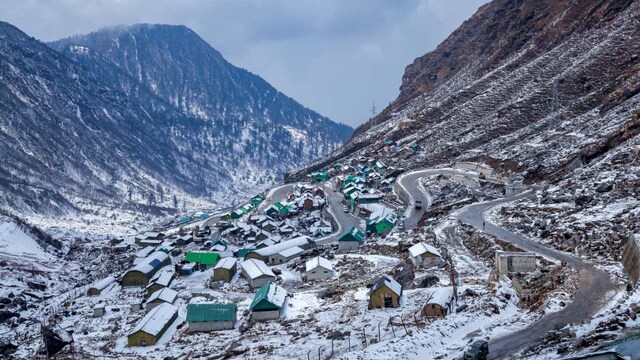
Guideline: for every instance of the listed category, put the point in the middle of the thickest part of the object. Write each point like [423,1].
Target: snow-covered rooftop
[271,292]
[441,296]
[226,263]
[256,268]
[151,262]
[274,249]
[388,282]
[102,284]
[156,319]
[167,295]
[163,277]
[292,251]
[318,262]
[422,248]
[276,294]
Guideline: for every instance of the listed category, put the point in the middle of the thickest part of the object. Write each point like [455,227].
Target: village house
[140,274]
[385,293]
[236,214]
[267,254]
[225,269]
[187,269]
[365,210]
[150,242]
[269,225]
[515,262]
[98,287]
[351,239]
[256,272]
[166,247]
[381,221]
[265,243]
[151,328]
[370,196]
[286,255]
[317,191]
[286,229]
[258,219]
[440,302]
[204,259]
[184,240]
[319,268]
[424,255]
[262,235]
[269,302]
[159,297]
[160,280]
[149,236]
[320,228]
[211,317]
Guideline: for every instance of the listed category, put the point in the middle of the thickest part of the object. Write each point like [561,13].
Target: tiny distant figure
[483,225]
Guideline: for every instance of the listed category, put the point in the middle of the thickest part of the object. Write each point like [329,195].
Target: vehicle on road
[401,225]
[477,351]
[418,204]
[345,208]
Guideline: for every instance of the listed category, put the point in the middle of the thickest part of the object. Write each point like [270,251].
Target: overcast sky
[333,56]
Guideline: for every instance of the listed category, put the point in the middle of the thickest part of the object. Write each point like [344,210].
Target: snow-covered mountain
[132,116]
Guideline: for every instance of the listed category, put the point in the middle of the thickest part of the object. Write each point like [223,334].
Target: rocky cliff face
[136,115]
[535,87]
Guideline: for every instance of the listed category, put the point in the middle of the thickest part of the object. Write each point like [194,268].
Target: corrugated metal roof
[318,262]
[156,320]
[211,312]
[226,263]
[204,258]
[421,248]
[353,234]
[388,282]
[269,296]
[165,294]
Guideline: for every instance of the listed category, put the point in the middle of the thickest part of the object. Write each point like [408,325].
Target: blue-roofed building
[140,274]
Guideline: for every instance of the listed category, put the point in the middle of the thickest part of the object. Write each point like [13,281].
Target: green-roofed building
[269,302]
[236,214]
[351,239]
[276,209]
[203,258]
[243,252]
[257,200]
[320,176]
[381,222]
[211,317]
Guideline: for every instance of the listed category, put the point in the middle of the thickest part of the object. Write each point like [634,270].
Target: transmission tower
[373,109]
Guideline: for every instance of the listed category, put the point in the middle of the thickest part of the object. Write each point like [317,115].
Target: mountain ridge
[516,71]
[102,156]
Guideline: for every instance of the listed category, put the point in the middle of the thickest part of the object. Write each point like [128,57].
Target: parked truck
[418,204]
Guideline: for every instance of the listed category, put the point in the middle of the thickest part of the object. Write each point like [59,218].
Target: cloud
[334,56]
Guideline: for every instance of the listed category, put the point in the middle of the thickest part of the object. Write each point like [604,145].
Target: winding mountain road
[344,220]
[595,289]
